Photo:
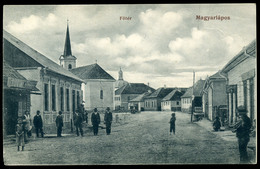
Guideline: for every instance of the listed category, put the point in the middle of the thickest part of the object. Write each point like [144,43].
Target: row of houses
[218,95]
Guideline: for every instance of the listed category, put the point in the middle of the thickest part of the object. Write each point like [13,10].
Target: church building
[98,86]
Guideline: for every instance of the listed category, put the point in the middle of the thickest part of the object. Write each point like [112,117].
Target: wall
[38,103]
[92,95]
[234,77]
[186,105]
[125,99]
[152,104]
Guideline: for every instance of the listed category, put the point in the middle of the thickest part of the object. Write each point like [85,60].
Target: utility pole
[192,97]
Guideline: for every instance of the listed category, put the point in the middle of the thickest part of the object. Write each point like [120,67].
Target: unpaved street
[145,139]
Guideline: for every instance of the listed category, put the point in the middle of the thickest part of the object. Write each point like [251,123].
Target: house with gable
[214,96]
[153,101]
[172,101]
[186,99]
[129,92]
[98,87]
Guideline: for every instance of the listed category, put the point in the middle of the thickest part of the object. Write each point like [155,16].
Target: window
[61,99]
[245,93]
[68,99]
[78,98]
[177,103]
[53,98]
[73,101]
[152,104]
[101,94]
[128,98]
[69,66]
[46,97]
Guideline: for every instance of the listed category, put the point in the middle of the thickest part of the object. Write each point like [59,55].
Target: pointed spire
[67,47]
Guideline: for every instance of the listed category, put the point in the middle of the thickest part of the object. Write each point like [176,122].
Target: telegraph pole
[192,97]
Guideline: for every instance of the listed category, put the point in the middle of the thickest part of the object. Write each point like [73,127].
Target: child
[172,124]
[20,134]
[216,124]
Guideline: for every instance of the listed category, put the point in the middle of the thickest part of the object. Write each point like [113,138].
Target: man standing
[37,121]
[95,119]
[59,124]
[78,122]
[108,120]
[242,132]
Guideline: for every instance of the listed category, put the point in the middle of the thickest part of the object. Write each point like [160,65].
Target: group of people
[24,128]
[78,120]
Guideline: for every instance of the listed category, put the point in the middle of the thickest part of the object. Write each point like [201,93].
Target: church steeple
[67,47]
[67,60]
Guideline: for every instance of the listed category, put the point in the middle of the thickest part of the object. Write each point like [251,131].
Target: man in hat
[108,120]
[59,124]
[37,121]
[95,119]
[78,122]
[242,132]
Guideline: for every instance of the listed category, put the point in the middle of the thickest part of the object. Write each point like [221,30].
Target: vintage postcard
[129,84]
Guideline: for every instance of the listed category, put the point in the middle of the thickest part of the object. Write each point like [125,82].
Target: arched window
[69,66]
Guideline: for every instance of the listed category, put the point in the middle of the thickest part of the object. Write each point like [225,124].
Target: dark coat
[243,131]
[78,119]
[108,117]
[37,121]
[95,119]
[59,121]
[172,121]
[216,124]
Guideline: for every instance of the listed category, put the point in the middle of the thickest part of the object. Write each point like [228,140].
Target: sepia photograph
[129,84]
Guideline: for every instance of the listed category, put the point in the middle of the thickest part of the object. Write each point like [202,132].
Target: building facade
[16,97]
[172,101]
[153,101]
[195,91]
[98,88]
[128,92]
[214,95]
[242,82]
[60,90]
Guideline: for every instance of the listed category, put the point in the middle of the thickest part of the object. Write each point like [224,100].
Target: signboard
[13,82]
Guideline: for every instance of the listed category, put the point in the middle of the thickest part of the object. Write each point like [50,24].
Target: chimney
[148,84]
[164,86]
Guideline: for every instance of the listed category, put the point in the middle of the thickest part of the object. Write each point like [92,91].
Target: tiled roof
[173,95]
[93,71]
[198,87]
[133,88]
[8,71]
[38,57]
[141,97]
[161,92]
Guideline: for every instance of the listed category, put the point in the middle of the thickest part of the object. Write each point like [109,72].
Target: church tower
[120,74]
[67,60]
[120,82]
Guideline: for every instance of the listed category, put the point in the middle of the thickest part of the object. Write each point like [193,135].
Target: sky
[161,45]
